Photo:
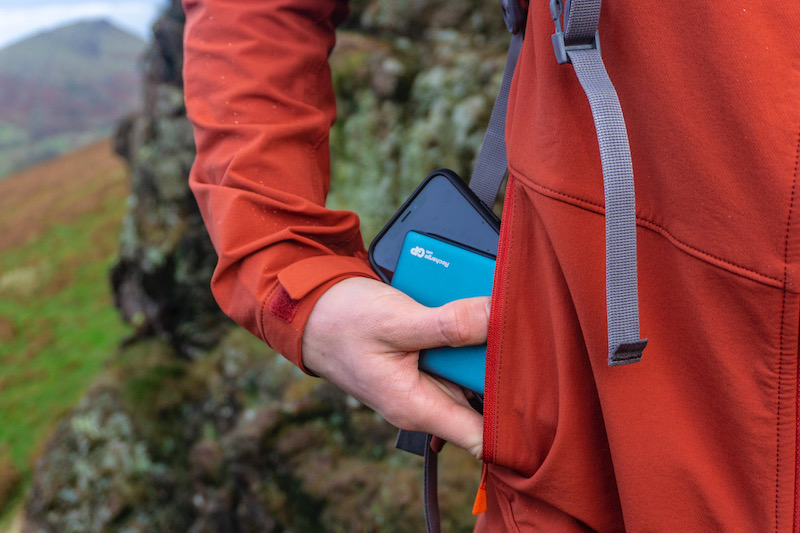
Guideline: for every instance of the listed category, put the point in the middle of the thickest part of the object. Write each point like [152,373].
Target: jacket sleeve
[259,95]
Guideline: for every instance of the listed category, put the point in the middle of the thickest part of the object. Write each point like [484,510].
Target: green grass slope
[59,226]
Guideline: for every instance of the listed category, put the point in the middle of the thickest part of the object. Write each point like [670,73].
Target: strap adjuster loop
[626,353]
[560,46]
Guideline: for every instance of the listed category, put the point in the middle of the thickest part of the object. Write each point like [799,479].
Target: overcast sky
[22,18]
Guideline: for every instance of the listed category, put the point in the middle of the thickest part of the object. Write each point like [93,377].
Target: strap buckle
[513,15]
[560,48]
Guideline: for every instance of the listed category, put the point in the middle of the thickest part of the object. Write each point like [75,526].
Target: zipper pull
[480,498]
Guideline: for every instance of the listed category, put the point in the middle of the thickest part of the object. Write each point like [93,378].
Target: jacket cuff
[286,310]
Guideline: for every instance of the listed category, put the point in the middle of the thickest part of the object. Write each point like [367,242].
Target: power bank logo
[422,253]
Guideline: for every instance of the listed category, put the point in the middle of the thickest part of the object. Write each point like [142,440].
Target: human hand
[364,336]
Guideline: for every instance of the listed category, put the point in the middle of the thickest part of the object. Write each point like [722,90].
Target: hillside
[65,88]
[59,227]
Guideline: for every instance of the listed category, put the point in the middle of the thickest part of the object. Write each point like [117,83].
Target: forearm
[258,92]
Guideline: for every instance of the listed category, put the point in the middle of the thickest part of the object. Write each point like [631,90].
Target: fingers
[432,409]
[462,427]
[455,421]
[364,337]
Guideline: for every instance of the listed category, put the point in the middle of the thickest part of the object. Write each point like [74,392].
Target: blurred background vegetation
[127,401]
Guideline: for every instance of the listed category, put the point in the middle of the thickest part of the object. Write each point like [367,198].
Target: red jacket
[699,436]
[258,91]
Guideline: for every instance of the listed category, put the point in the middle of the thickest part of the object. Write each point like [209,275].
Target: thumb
[458,323]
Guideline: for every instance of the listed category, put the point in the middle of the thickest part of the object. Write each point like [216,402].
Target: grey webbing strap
[579,45]
[492,163]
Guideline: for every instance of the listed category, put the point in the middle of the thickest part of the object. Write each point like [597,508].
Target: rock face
[196,426]
[238,441]
[415,81]
[160,280]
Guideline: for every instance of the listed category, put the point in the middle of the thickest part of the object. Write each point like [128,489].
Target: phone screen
[442,206]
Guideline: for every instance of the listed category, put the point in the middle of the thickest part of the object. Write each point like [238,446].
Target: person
[702,434]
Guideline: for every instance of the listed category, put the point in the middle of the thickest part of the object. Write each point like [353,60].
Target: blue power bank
[434,272]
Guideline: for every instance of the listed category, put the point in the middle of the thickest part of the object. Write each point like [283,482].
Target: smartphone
[442,206]
[434,272]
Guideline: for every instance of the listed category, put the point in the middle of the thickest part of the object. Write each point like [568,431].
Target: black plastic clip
[514,16]
[560,48]
[412,442]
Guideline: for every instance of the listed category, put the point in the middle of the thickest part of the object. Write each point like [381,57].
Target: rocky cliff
[197,426]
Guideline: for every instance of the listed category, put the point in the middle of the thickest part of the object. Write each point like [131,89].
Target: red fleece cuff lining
[283,307]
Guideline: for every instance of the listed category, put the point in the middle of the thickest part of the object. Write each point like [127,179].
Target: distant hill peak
[64,86]
[96,26]
[58,49]
[84,31]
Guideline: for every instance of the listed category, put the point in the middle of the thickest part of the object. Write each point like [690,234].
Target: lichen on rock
[161,277]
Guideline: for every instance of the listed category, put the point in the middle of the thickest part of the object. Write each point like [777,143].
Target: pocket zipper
[493,345]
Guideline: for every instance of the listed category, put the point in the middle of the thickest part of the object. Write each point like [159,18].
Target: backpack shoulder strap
[492,163]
